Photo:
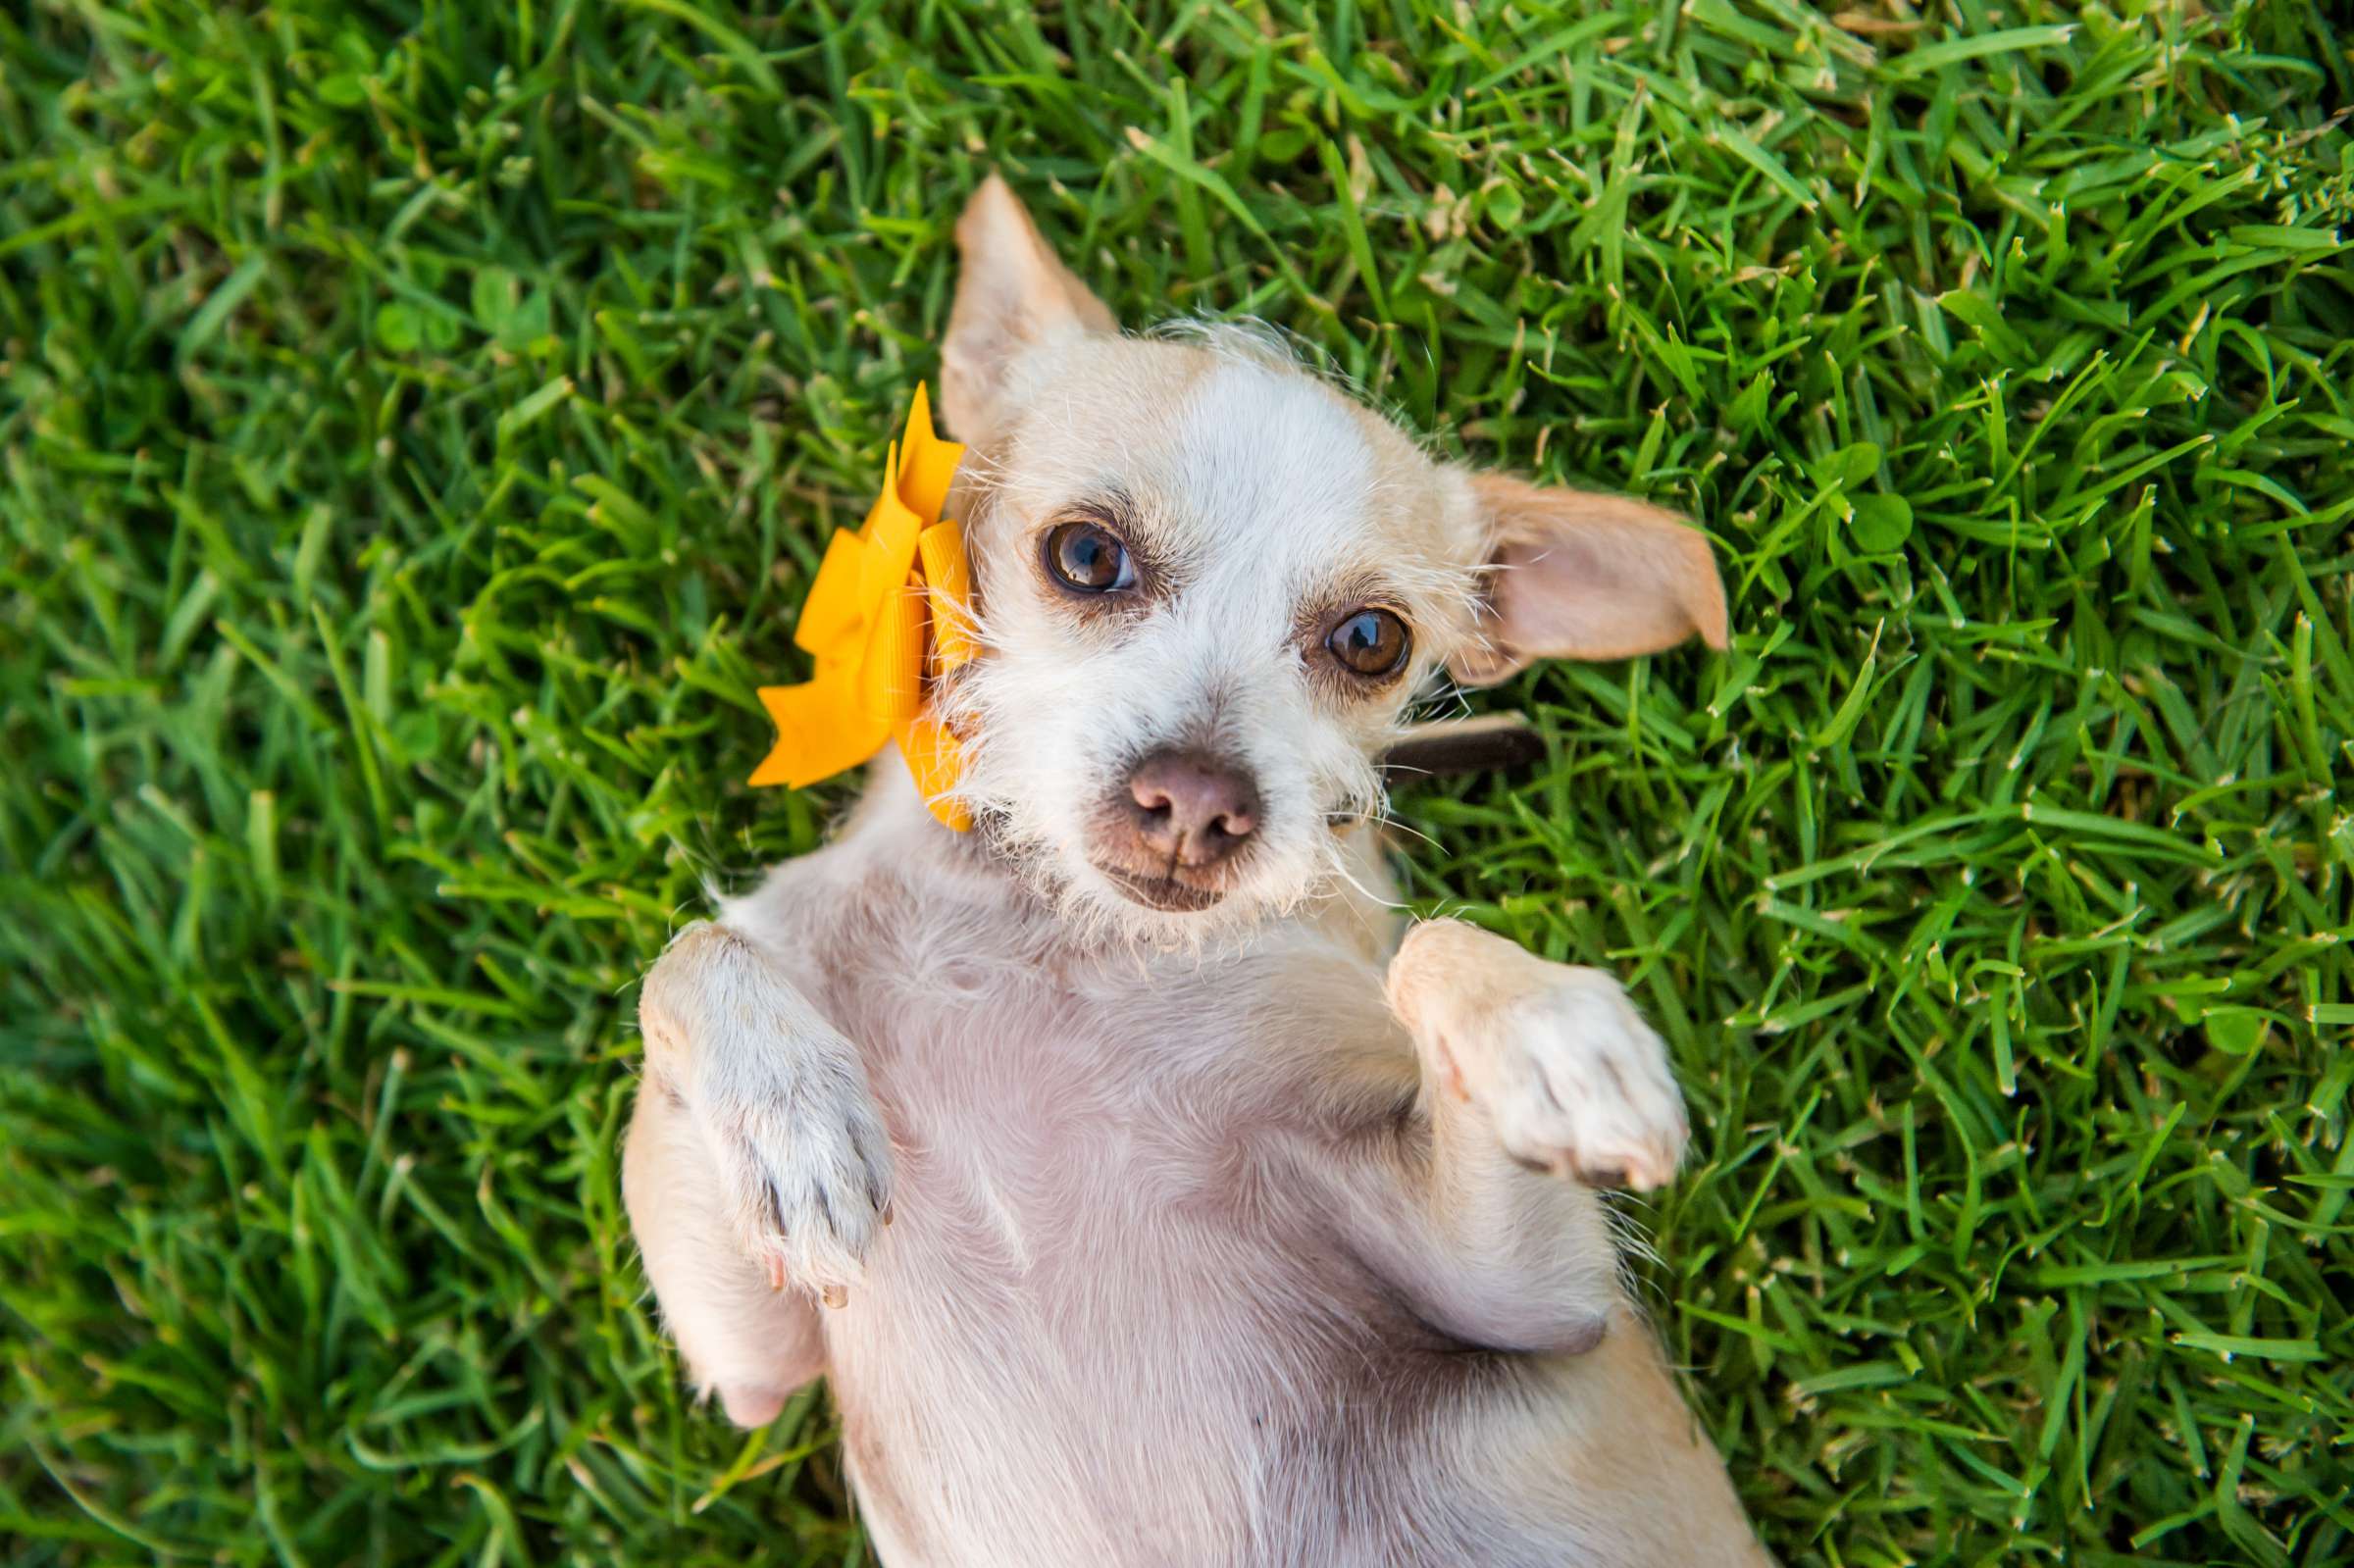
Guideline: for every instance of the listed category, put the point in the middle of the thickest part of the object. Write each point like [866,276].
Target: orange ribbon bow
[890,611]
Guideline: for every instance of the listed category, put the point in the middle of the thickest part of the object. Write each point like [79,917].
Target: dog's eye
[1369,642]
[1089,559]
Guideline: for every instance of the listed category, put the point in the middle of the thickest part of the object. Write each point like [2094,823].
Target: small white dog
[1145,1200]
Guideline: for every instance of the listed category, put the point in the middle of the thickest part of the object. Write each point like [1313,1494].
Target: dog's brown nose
[1191,808]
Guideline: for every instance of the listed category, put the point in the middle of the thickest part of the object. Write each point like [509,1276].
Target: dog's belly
[1098,1333]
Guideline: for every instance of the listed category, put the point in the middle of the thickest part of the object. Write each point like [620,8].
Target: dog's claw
[836,1295]
[810,1184]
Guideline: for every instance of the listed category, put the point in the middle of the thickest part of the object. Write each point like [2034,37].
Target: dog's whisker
[1387,823]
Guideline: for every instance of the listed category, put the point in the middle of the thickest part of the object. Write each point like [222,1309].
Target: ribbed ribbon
[889,615]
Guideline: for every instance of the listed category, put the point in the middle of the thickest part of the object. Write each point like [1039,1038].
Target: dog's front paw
[1571,1078]
[780,1104]
[806,1170]
[1578,1085]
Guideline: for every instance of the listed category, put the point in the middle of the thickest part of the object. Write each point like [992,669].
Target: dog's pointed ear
[1572,576]
[1012,295]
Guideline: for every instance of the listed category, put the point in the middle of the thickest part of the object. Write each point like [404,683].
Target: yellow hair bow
[882,595]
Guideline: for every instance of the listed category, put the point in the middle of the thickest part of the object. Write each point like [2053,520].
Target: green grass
[416,432]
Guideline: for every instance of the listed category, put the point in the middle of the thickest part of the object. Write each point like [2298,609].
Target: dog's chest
[1093,1248]
[1045,1129]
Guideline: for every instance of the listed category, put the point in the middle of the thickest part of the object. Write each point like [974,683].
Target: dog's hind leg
[742,1339]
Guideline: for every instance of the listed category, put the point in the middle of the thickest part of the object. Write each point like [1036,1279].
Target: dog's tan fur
[1130,1236]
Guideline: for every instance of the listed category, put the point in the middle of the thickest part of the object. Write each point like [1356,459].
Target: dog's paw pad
[748,1406]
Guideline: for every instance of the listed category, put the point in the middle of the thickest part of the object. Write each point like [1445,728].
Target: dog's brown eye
[1089,559]
[1371,643]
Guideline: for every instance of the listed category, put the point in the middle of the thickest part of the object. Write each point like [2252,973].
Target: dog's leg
[757,1162]
[1473,1201]
[1539,1083]
[742,1339]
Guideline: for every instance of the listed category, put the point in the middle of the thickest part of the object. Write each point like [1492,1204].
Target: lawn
[417,424]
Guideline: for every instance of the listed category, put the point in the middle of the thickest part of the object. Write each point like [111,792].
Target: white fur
[1269,492]
[1154,1238]
[1164,1272]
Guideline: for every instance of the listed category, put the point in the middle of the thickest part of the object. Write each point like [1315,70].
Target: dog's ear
[1012,295]
[1572,576]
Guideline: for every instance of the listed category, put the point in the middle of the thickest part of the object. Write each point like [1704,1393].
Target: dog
[1145,1196]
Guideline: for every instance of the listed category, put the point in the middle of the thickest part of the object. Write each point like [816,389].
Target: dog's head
[1210,584]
